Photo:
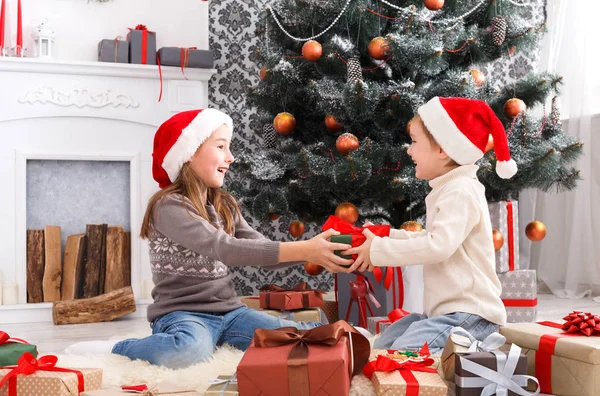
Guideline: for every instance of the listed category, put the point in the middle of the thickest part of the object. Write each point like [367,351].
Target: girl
[195,232]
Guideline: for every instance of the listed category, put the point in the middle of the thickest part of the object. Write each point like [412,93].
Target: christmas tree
[341,79]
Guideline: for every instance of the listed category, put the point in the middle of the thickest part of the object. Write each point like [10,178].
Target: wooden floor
[54,339]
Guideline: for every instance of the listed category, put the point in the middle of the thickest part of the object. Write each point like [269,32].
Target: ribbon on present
[326,335]
[27,364]
[145,32]
[511,235]
[392,317]
[520,303]
[497,382]
[405,368]
[226,382]
[490,343]
[299,287]
[4,338]
[575,326]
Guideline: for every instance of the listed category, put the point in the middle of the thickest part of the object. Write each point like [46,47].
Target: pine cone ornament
[354,70]
[499,27]
[555,112]
[269,136]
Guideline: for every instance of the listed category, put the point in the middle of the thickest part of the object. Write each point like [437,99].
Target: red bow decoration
[4,338]
[141,27]
[27,364]
[586,323]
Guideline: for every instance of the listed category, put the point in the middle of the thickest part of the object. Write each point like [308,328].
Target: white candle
[0,271]
[147,289]
[10,294]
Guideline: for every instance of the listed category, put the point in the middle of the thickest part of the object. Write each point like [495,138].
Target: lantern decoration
[43,40]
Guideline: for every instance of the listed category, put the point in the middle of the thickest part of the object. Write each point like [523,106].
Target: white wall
[80,24]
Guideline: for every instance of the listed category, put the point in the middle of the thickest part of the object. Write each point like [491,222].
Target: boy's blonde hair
[191,187]
[417,118]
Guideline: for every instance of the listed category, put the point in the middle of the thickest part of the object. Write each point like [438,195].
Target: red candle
[19,30]
[2,17]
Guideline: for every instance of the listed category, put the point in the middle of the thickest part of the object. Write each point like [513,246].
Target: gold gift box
[53,383]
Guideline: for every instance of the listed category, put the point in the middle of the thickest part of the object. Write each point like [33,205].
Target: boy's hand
[363,261]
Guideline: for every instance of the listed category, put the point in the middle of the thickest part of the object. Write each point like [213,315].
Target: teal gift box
[10,352]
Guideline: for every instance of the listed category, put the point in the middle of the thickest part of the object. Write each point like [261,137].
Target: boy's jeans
[412,331]
[182,338]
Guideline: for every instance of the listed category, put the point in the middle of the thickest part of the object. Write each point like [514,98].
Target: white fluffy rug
[119,370]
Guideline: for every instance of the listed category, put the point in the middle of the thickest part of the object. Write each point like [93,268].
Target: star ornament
[585,323]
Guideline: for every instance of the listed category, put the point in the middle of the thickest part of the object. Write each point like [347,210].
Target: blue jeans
[180,339]
[413,330]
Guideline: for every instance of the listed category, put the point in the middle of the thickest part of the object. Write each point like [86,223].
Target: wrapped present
[298,297]
[11,349]
[31,374]
[519,295]
[495,372]
[350,234]
[185,57]
[163,388]
[460,341]
[142,45]
[330,307]
[302,362]
[299,315]
[505,218]
[224,385]
[116,51]
[405,373]
[377,324]
[566,363]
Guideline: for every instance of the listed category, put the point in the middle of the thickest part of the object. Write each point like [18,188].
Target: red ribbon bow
[579,322]
[141,27]
[27,364]
[4,338]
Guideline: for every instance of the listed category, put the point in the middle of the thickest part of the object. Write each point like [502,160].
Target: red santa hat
[462,127]
[178,138]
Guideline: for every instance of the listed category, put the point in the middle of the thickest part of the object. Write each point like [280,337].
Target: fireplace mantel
[82,110]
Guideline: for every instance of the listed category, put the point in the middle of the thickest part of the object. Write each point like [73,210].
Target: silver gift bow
[491,342]
[497,382]
[225,382]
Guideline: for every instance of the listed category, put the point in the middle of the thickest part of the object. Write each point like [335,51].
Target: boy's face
[430,160]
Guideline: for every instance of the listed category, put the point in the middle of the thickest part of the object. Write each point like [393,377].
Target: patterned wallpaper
[232,38]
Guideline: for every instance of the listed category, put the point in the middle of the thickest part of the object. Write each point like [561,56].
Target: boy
[456,249]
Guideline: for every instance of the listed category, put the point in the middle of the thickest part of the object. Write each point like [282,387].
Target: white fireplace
[88,111]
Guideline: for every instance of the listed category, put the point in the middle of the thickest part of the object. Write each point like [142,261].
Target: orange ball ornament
[411,226]
[490,144]
[263,73]
[433,5]
[296,228]
[378,48]
[346,143]
[535,231]
[513,107]
[312,268]
[312,50]
[284,123]
[347,212]
[332,124]
[274,216]
[478,77]
[498,239]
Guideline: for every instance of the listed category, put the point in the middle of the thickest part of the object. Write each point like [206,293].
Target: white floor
[53,339]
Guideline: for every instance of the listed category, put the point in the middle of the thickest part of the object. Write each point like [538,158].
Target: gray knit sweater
[190,258]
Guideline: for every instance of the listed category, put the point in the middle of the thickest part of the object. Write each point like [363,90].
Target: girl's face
[212,159]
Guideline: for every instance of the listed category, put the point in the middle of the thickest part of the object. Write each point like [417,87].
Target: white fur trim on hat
[506,169]
[192,136]
[446,133]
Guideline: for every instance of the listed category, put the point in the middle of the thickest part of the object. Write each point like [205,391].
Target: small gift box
[495,371]
[505,218]
[311,362]
[32,377]
[565,358]
[350,234]
[163,388]
[224,385]
[299,315]
[405,373]
[519,295]
[116,51]
[142,45]
[185,57]
[298,297]
[11,349]
[460,341]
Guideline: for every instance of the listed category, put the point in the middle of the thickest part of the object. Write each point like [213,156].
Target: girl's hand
[320,251]
[363,261]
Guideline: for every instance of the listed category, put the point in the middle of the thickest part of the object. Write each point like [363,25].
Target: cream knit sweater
[456,249]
